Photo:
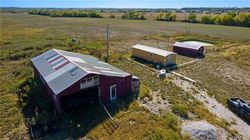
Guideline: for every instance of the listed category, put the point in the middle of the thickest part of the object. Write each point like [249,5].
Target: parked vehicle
[240,107]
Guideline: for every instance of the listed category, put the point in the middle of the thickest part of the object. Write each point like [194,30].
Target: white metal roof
[61,69]
[194,46]
[204,44]
[153,50]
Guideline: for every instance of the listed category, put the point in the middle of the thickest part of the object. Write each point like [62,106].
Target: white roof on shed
[194,46]
[198,43]
[153,50]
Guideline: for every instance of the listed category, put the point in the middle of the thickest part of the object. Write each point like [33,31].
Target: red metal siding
[188,52]
[123,84]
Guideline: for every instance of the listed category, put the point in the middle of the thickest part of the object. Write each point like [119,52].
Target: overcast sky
[124,3]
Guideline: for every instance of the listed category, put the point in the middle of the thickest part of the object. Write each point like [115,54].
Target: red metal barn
[193,50]
[71,77]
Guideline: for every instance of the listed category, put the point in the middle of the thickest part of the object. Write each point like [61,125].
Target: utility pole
[107,56]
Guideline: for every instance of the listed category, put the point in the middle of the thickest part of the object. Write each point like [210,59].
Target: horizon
[147,4]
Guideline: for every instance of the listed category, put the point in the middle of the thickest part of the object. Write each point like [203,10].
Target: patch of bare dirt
[157,105]
[203,130]
[234,74]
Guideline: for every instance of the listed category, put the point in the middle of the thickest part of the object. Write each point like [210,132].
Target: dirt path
[215,107]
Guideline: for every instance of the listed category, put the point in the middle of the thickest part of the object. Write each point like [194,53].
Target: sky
[123,3]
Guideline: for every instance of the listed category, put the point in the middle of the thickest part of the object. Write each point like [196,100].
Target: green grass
[180,110]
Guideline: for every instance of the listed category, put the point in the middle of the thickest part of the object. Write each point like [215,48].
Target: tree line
[166,16]
[231,19]
[133,15]
[70,13]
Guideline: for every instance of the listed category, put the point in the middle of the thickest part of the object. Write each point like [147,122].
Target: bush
[145,92]
[180,110]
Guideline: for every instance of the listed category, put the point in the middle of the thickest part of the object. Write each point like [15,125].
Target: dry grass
[24,36]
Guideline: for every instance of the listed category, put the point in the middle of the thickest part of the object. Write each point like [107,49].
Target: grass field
[224,72]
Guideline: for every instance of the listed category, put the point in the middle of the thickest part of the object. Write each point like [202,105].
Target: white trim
[110,93]
[59,64]
[103,68]
[59,59]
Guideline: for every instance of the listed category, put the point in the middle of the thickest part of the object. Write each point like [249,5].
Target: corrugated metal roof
[195,46]
[153,50]
[61,69]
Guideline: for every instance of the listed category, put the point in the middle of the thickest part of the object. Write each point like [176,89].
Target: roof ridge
[155,48]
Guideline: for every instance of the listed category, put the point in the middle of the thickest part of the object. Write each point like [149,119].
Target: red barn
[71,77]
[188,49]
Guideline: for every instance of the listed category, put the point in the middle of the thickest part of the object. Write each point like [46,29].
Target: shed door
[169,60]
[112,92]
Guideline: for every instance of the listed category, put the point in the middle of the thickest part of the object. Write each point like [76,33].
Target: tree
[166,17]
[228,20]
[192,17]
[207,20]
[243,19]
[173,17]
[111,16]
[133,15]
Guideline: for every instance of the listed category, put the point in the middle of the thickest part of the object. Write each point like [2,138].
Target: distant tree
[242,19]
[166,16]
[173,17]
[207,20]
[213,19]
[68,13]
[233,14]
[192,17]
[133,15]
[228,20]
[111,16]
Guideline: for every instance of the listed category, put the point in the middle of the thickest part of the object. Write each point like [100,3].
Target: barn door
[169,60]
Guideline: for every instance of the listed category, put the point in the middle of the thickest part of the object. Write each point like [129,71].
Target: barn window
[112,92]
[83,83]
[89,79]
[96,80]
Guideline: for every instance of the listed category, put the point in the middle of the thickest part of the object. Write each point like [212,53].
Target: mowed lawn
[24,36]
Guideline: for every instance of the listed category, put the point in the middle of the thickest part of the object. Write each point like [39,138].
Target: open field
[224,72]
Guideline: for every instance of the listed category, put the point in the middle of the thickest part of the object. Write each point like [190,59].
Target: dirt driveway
[215,107]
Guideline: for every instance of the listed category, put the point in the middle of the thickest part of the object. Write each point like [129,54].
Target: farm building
[155,55]
[72,79]
[188,49]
